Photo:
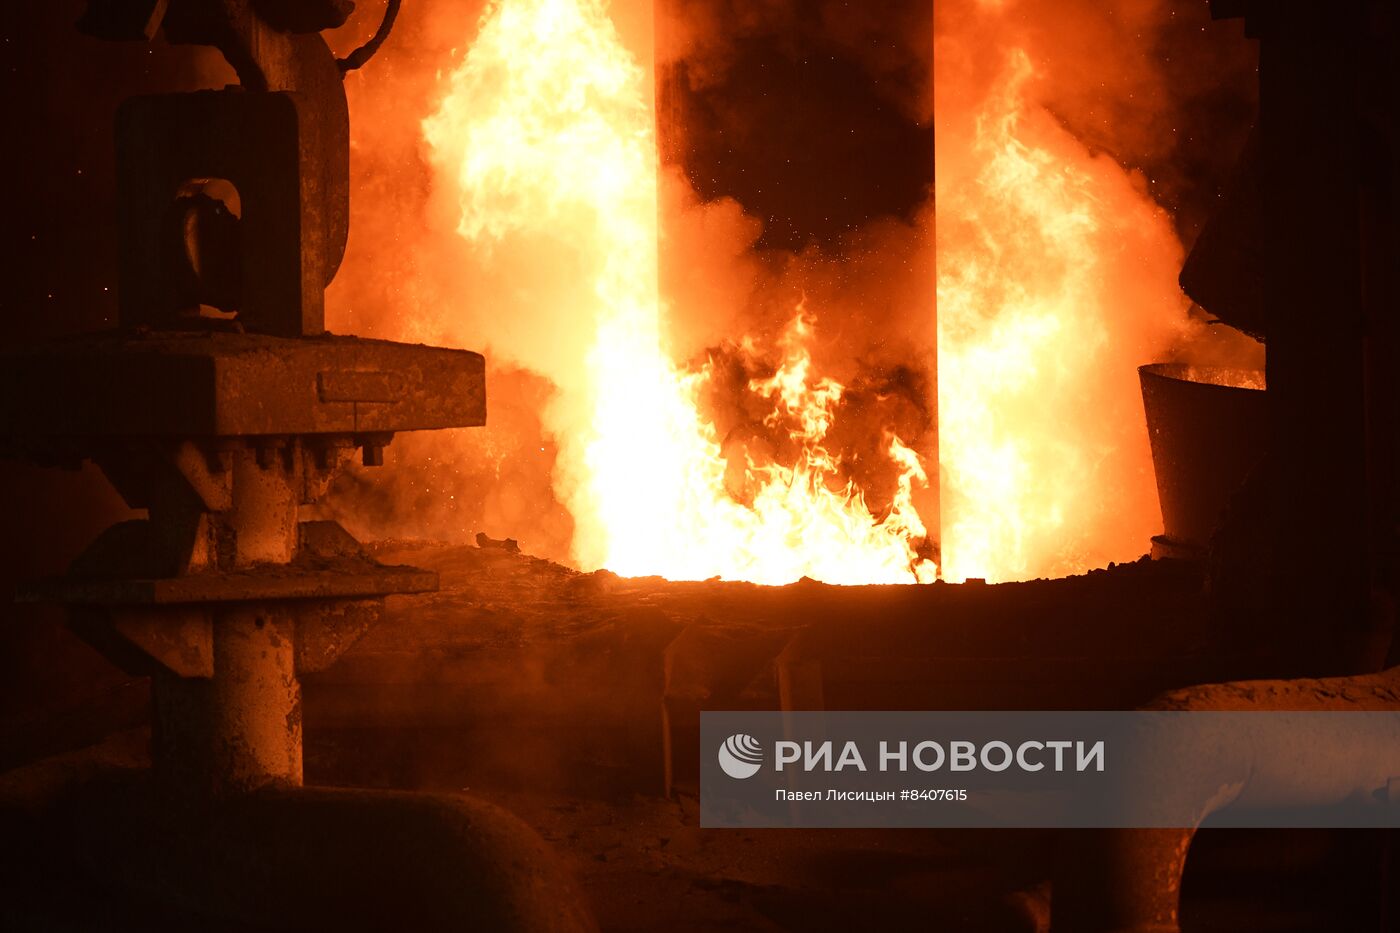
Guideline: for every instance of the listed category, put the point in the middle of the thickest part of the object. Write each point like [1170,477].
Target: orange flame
[546,133]
[1057,277]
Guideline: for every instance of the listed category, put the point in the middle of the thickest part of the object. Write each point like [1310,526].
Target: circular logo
[741,756]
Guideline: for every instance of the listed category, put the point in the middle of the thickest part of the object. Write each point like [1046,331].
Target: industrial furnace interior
[428,425]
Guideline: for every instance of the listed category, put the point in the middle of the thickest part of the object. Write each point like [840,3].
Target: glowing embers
[809,490]
[768,500]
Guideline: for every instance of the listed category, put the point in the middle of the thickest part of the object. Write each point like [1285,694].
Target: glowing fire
[546,131]
[1056,279]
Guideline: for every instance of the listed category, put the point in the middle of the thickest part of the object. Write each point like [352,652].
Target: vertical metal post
[1311,159]
[240,729]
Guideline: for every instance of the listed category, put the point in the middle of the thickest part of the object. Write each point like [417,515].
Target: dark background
[61,91]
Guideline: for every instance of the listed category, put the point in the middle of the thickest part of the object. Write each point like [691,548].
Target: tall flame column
[790,115]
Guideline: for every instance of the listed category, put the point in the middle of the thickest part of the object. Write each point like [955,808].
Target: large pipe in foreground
[1129,880]
[296,858]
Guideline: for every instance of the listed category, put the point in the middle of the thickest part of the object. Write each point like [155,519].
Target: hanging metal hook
[365,52]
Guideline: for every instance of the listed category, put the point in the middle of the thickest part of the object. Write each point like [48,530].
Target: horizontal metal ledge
[233,385]
[368,580]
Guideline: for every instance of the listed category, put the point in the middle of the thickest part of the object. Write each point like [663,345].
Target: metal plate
[362,580]
[230,385]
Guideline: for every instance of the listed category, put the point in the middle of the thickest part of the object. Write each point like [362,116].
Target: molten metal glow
[546,133]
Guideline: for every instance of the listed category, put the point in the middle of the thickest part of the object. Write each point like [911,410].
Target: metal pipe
[1129,880]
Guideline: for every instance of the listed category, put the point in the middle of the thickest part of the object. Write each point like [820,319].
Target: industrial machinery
[221,406]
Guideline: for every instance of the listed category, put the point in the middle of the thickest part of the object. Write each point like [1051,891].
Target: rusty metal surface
[228,385]
[324,635]
[238,729]
[620,666]
[159,640]
[1206,436]
[350,580]
[1130,879]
